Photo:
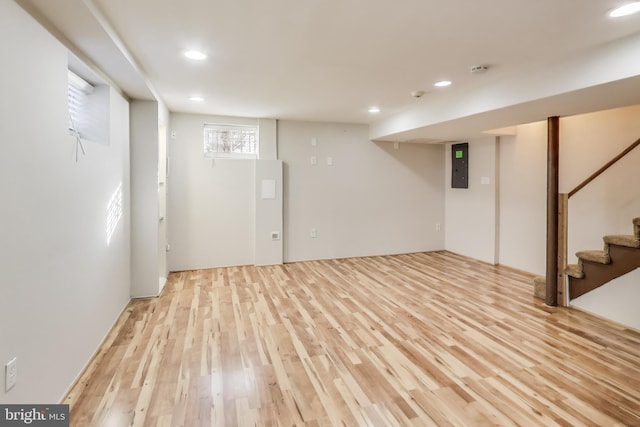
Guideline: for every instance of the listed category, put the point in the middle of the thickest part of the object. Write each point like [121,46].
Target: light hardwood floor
[408,340]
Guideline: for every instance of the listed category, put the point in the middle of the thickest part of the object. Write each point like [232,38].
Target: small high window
[230,141]
[88,107]
[78,91]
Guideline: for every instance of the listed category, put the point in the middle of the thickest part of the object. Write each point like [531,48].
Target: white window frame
[227,141]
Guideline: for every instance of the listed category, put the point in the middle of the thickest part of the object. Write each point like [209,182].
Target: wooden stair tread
[621,255]
[623,260]
[574,270]
[630,241]
[600,257]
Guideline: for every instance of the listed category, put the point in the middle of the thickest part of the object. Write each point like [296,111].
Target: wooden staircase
[620,255]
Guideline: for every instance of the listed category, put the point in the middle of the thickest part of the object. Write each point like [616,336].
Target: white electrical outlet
[313,233]
[11,374]
[438,226]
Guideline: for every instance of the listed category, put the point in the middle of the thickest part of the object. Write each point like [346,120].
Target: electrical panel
[460,165]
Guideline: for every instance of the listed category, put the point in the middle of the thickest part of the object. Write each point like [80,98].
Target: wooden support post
[553,154]
[563,234]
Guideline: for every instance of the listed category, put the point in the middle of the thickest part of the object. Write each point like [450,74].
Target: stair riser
[623,260]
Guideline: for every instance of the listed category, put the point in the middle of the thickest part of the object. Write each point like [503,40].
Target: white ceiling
[325,60]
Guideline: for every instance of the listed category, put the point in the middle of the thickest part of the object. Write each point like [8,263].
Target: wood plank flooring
[425,339]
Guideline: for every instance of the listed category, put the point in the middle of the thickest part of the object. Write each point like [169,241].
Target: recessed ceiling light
[627,9]
[197,99]
[195,54]
[374,110]
[442,83]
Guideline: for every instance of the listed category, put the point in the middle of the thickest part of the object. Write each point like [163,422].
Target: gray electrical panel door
[460,165]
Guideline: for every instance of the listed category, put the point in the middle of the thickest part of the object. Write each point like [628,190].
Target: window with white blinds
[78,91]
[230,141]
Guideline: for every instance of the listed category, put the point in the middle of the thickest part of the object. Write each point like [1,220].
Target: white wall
[149,127]
[145,199]
[268,139]
[268,214]
[470,226]
[163,240]
[62,285]
[373,200]
[608,204]
[616,300]
[523,198]
[211,202]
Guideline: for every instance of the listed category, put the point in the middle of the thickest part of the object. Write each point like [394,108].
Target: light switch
[314,160]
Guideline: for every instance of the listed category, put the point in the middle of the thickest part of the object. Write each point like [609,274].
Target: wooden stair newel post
[563,235]
[553,154]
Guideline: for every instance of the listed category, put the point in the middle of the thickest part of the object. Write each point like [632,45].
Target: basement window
[88,108]
[78,91]
[230,141]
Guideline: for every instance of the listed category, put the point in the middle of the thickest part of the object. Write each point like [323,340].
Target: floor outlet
[11,374]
